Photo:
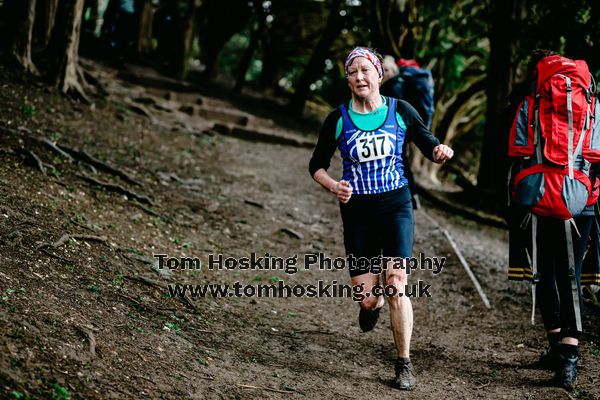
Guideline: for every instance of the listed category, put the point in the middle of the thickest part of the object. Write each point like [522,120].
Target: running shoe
[405,376]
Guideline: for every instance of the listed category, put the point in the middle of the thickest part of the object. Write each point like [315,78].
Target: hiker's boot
[405,376]
[566,375]
[551,358]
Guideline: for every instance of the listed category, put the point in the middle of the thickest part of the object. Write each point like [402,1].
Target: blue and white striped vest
[372,160]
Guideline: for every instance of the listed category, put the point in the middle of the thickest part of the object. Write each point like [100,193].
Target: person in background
[543,249]
[407,81]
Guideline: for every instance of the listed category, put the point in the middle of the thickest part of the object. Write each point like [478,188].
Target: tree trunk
[223,20]
[457,102]
[109,20]
[255,38]
[44,23]
[463,120]
[501,73]
[24,16]
[392,26]
[65,71]
[144,37]
[335,23]
[275,52]
[446,120]
[186,34]
[89,26]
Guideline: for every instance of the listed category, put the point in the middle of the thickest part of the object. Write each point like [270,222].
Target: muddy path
[94,318]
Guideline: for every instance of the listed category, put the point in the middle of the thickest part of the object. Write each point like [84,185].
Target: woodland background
[184,127]
[294,51]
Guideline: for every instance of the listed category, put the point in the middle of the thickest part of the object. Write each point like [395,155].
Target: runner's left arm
[416,131]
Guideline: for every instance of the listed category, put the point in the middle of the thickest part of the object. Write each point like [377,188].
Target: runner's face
[363,79]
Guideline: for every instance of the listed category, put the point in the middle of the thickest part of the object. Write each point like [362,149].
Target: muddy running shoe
[551,359]
[405,376]
[367,319]
[566,376]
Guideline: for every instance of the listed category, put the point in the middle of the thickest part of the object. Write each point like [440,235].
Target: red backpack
[556,136]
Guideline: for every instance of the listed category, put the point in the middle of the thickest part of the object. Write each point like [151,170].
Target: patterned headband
[369,55]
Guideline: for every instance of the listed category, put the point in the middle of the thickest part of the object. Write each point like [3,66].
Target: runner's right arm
[321,159]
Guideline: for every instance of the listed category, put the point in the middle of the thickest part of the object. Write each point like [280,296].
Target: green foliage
[93,288]
[135,251]
[118,280]
[15,394]
[203,361]
[55,136]
[170,326]
[233,51]
[28,110]
[60,393]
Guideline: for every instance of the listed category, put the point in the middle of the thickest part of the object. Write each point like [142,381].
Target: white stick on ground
[461,258]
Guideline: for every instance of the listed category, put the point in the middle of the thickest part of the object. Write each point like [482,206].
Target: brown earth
[214,194]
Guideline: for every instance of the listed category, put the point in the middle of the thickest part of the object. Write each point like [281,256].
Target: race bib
[374,147]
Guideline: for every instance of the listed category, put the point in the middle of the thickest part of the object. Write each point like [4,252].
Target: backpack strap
[537,138]
[508,179]
[572,274]
[570,115]
[534,259]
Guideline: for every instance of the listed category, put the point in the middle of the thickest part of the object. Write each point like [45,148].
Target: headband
[366,53]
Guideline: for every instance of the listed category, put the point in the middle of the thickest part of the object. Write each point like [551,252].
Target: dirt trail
[233,197]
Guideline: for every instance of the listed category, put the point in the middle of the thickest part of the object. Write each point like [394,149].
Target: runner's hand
[442,153]
[342,190]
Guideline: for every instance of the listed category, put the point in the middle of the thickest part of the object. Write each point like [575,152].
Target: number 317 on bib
[374,147]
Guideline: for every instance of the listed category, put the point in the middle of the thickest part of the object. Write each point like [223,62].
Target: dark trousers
[554,293]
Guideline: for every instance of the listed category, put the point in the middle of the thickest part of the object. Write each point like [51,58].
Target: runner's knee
[369,303]
[396,277]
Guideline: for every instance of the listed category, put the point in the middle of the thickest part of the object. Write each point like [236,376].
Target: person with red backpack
[554,142]
[407,80]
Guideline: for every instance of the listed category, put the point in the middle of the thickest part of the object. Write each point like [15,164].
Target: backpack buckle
[536,277]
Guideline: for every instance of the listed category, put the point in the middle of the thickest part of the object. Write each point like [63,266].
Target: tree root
[268,389]
[90,337]
[73,154]
[83,156]
[34,159]
[185,300]
[149,211]
[117,189]
[66,237]
[52,146]
[65,260]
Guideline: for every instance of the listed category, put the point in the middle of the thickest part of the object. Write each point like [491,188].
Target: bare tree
[144,35]
[222,19]
[24,11]
[186,35]
[501,74]
[89,26]
[63,50]
[314,68]
[258,32]
[46,12]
